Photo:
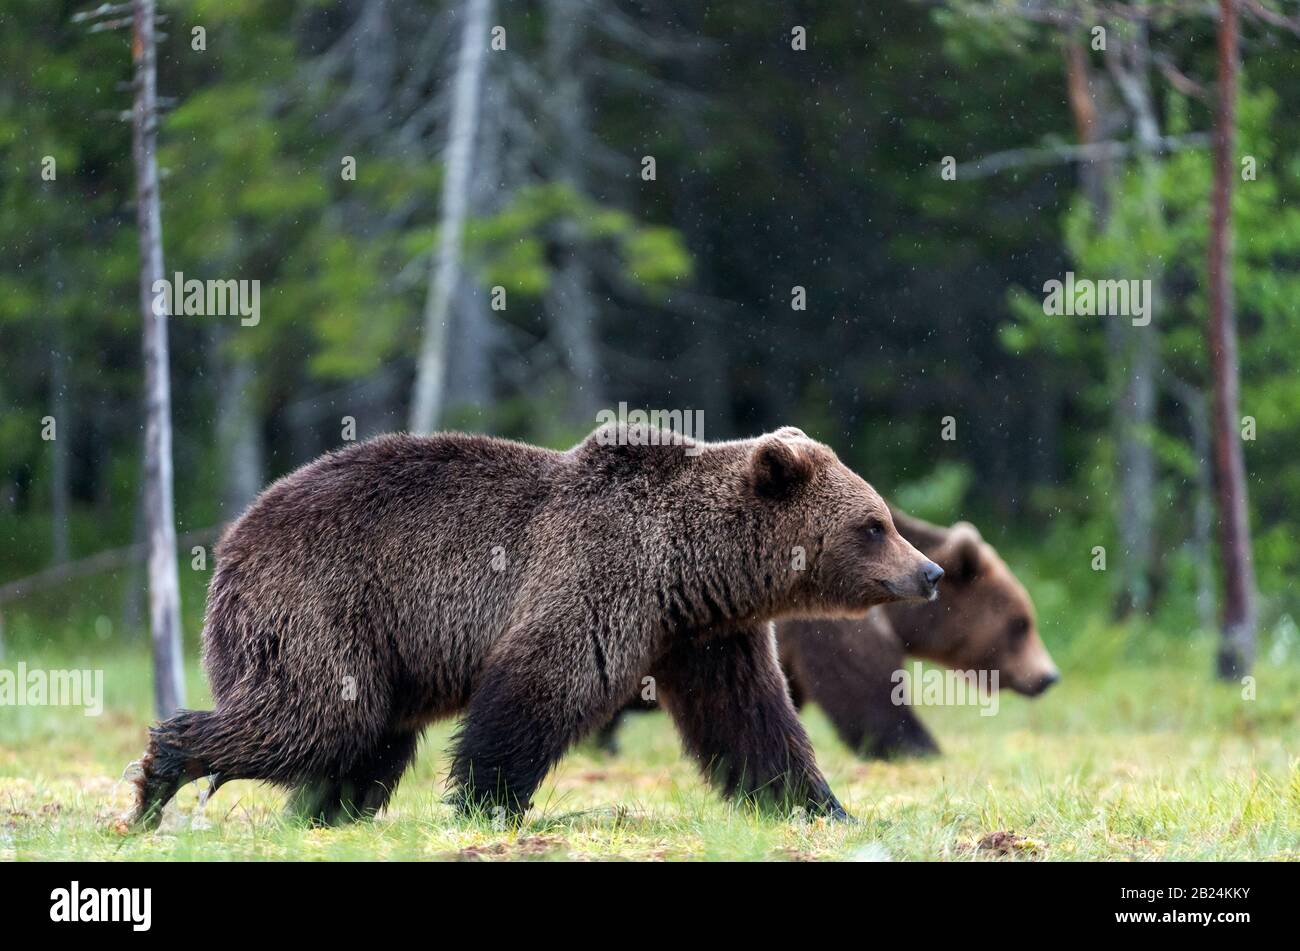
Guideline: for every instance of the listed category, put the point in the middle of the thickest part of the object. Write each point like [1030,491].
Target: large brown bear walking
[984,621]
[407,579]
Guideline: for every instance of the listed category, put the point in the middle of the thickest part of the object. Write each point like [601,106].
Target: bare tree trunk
[573,316]
[239,436]
[1202,541]
[60,489]
[569,300]
[714,357]
[1138,347]
[1091,125]
[376,67]
[164,585]
[1092,122]
[430,380]
[469,383]
[1237,646]
[1137,466]
[469,379]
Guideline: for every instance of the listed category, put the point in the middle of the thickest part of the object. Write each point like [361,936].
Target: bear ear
[961,555]
[779,468]
[791,432]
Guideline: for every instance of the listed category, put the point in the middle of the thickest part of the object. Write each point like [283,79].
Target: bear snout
[930,575]
[1041,683]
[922,584]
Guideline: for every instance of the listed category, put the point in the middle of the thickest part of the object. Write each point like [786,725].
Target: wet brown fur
[407,579]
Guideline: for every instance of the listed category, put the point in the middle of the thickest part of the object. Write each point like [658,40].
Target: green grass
[1121,761]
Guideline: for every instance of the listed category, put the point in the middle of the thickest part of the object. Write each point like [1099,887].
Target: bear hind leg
[360,794]
[517,727]
[180,751]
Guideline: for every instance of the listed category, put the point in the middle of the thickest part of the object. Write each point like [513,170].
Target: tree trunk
[1091,125]
[60,488]
[1237,645]
[470,382]
[239,434]
[573,317]
[1202,540]
[569,300]
[1136,418]
[1138,348]
[60,474]
[469,379]
[164,585]
[430,380]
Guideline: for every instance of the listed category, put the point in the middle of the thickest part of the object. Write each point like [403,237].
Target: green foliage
[1165,232]
[511,245]
[938,496]
[776,169]
[252,189]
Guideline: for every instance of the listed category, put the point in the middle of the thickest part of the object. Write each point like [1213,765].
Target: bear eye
[874,529]
[1017,629]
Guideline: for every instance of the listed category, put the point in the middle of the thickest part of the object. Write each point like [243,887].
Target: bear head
[985,620]
[775,526]
[788,528]
[846,553]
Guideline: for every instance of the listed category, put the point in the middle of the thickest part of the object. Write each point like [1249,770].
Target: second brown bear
[985,621]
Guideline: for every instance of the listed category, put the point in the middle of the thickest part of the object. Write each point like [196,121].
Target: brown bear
[406,579]
[984,621]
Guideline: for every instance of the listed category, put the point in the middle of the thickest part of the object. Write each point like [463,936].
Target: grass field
[1121,761]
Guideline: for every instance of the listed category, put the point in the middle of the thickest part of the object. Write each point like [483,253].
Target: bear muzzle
[931,573]
[922,584]
[1039,684]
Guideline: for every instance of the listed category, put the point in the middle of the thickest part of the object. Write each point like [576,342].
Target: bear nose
[1048,679]
[931,573]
